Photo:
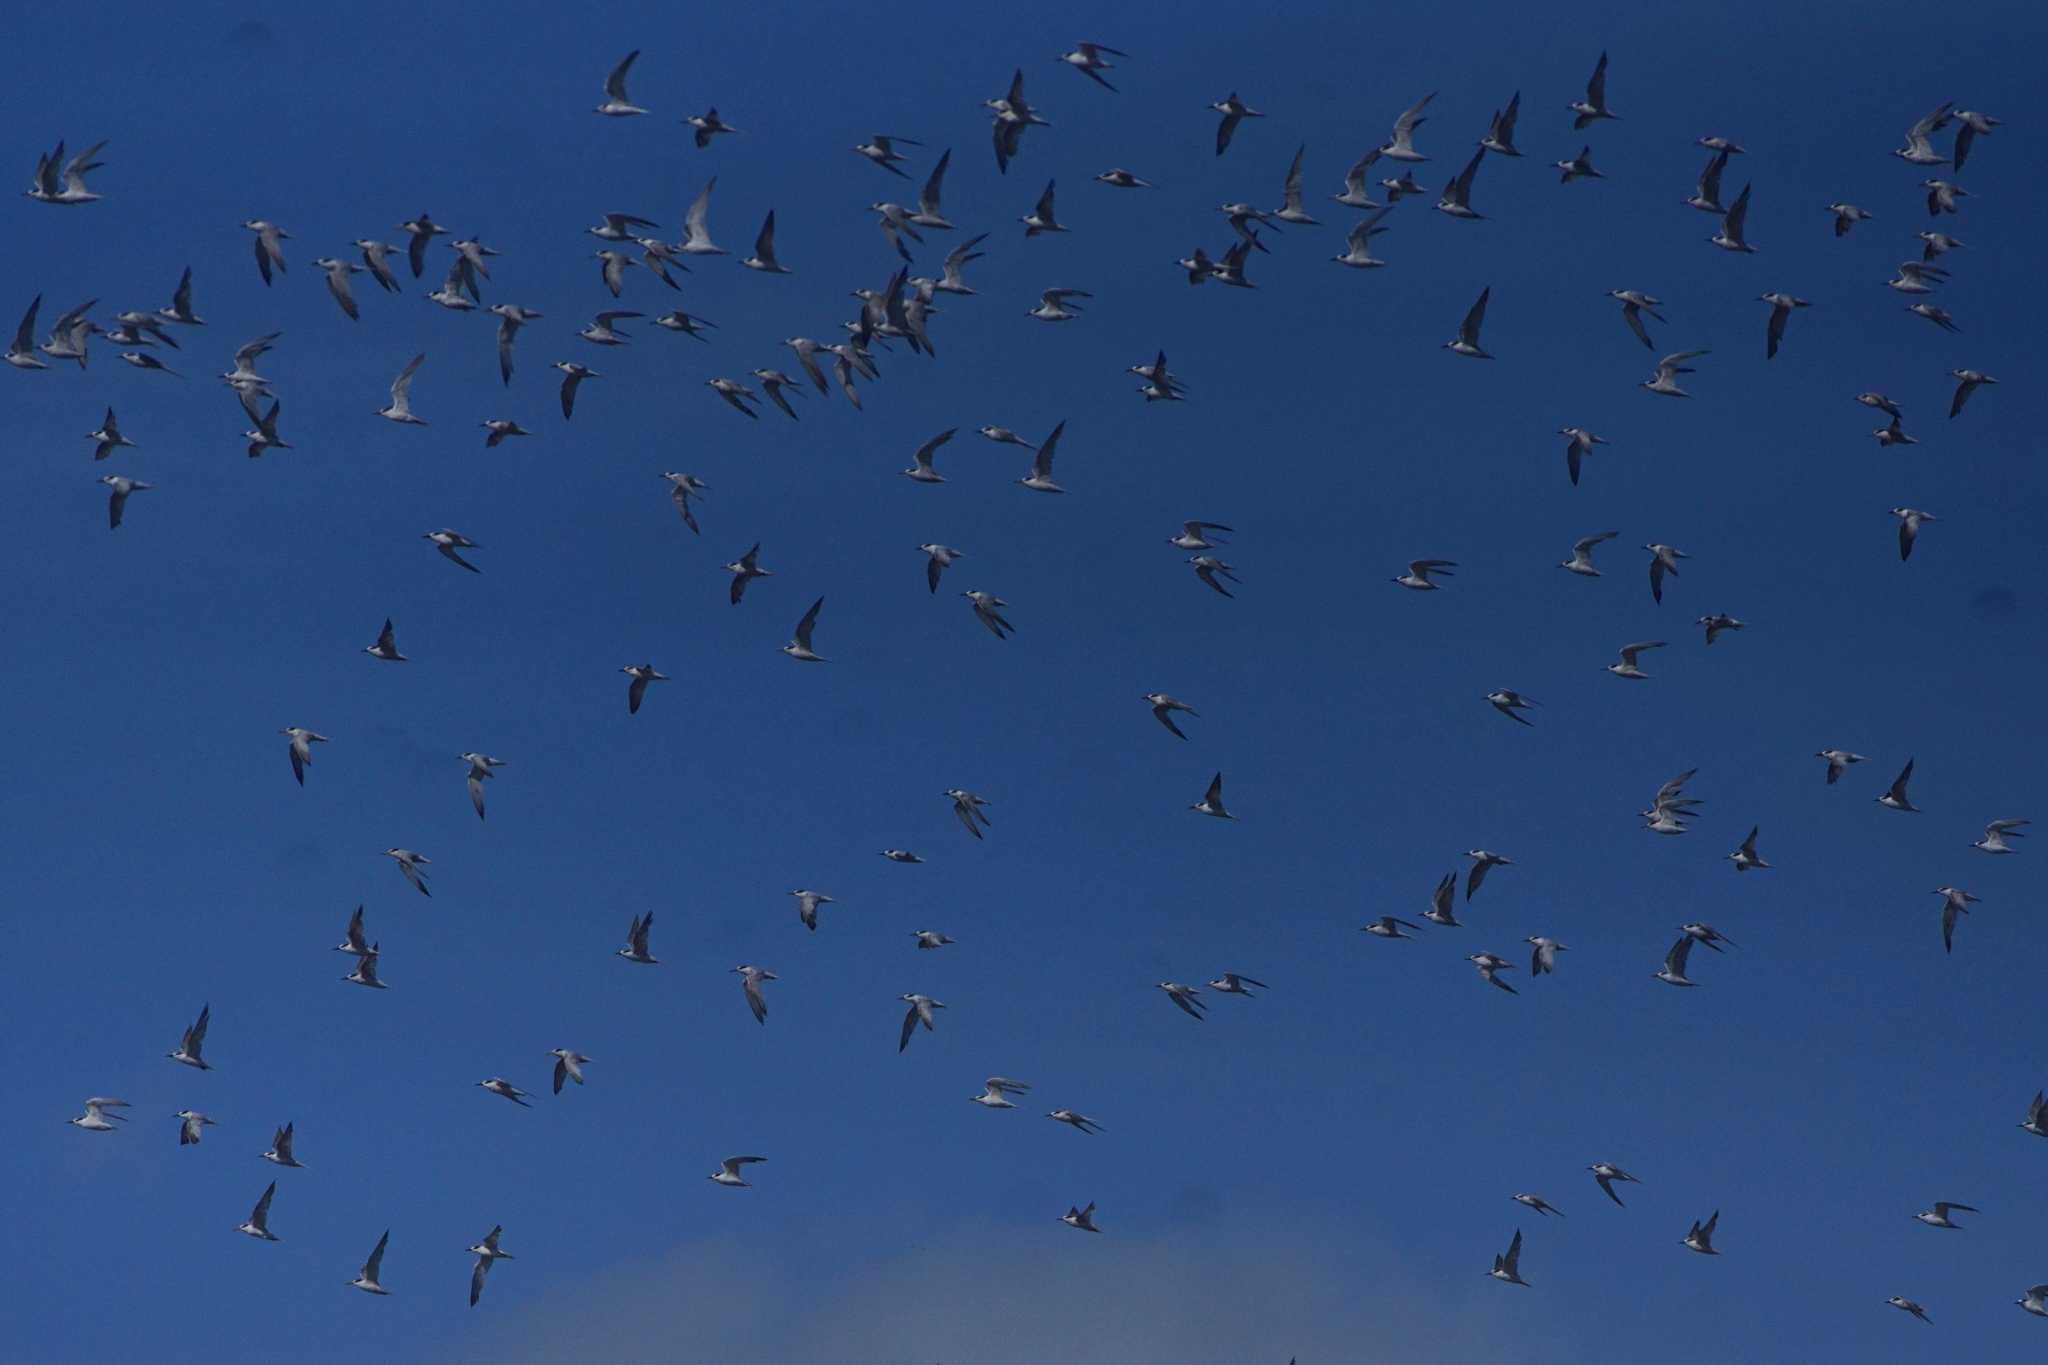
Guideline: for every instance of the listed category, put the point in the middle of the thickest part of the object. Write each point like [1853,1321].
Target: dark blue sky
[1323,1172]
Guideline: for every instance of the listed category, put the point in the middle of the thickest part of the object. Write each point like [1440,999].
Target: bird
[938,558]
[1627,668]
[1717,622]
[1995,835]
[1781,309]
[400,408]
[1355,194]
[1441,910]
[735,393]
[1706,196]
[920,1012]
[1418,579]
[500,429]
[481,769]
[1041,218]
[1593,107]
[1400,146]
[901,855]
[269,254]
[1895,797]
[1579,167]
[2036,1120]
[1673,971]
[53,167]
[1606,1174]
[881,149]
[1911,519]
[1934,244]
[486,1251]
[1507,1268]
[1701,1238]
[1194,535]
[1500,129]
[1081,1218]
[1848,216]
[1055,305]
[636,949]
[117,498]
[191,1123]
[365,972]
[355,942]
[708,125]
[2036,1301]
[1208,568]
[258,1223]
[1538,1203]
[568,1066]
[1917,277]
[1466,343]
[1543,957]
[1670,809]
[1358,242]
[1663,560]
[1975,125]
[1635,303]
[1942,197]
[1664,380]
[995,1091]
[1581,562]
[1078,1121]
[1119,178]
[1039,480]
[1935,314]
[1938,1216]
[681,488]
[498,1085]
[807,903]
[968,807]
[1838,762]
[1745,858]
[193,1040]
[1212,802]
[987,610]
[1483,861]
[641,674]
[1163,707]
[1490,967]
[1511,704]
[764,258]
[1908,1306]
[573,376]
[751,978]
[1919,149]
[1967,383]
[1389,926]
[409,864]
[929,939]
[366,1278]
[617,104]
[1234,112]
[745,570]
[98,1117]
[386,647]
[1235,983]
[728,1172]
[1954,901]
[1578,445]
[1708,935]
[301,748]
[602,330]
[1730,237]
[447,542]
[1291,211]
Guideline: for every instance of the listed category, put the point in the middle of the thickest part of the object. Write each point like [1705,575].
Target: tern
[641,674]
[928,939]
[617,104]
[751,978]
[1490,967]
[180,309]
[988,610]
[1543,955]
[1706,197]
[1235,983]
[728,1172]
[354,941]
[1457,196]
[2036,1301]
[1500,130]
[1208,568]
[1358,243]
[1511,704]
[447,542]
[1579,167]
[53,167]
[1390,926]
[881,149]
[191,1123]
[1075,1120]
[1673,971]
[1893,433]
[1119,178]
[386,647]
[498,1085]
[338,272]
[420,232]
[745,570]
[708,125]
[1942,197]
[1212,801]
[1975,125]
[1954,901]
[365,973]
[995,1090]
[1417,579]
[1163,707]
[1291,211]
[142,361]
[573,376]
[681,488]
[1441,911]
[499,428]
[1848,216]
[117,498]
[1967,383]
[1907,1305]
[1355,194]
[920,1012]
[1635,303]
[1746,858]
[2036,1120]
[400,407]
[21,353]
[1935,244]
[1910,521]
[486,1251]
[1194,535]
[366,1278]
[568,1066]
[1594,107]
[617,227]
[968,807]
[1838,761]
[1401,145]
[1895,797]
[1579,444]
[636,941]
[1707,934]
[1701,1238]
[193,1040]
[409,864]
[1581,561]
[807,903]
[269,255]
[1086,58]
[1716,623]
[1935,314]
[1483,861]
[1234,112]
[511,317]
[1730,237]
[258,1223]
[1538,1203]
[1605,1174]
[1040,478]
[677,320]
[1995,835]
[1665,380]
[763,258]
[1919,149]
[1053,305]
[1781,309]
[928,208]
[1466,343]
[1507,1268]
[602,332]
[1188,998]
[1082,1218]
[301,748]
[481,768]
[1041,218]
[96,1118]
[938,559]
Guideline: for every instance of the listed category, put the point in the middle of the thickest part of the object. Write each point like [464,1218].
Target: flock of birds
[902,312]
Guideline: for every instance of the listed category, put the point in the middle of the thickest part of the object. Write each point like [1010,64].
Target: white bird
[1579,444]
[1967,383]
[117,499]
[1919,149]
[486,1252]
[2036,1301]
[708,125]
[498,1085]
[1291,211]
[1781,309]
[1355,194]
[1942,197]
[1954,901]
[751,978]
[1938,1216]
[1511,704]
[1086,58]
[258,1222]
[1917,277]
[338,272]
[1417,579]
[1746,858]
[1910,521]
[1543,957]
[1701,1238]
[365,973]
[763,258]
[1538,1203]
[386,647]
[1212,801]
[1581,561]
[355,941]
[1838,761]
[500,429]
[1358,242]
[728,1172]
[481,768]
[1483,861]
[1706,197]
[1390,926]
[366,1278]
[1235,983]
[641,674]
[617,104]
[901,855]
[1441,911]
[1895,798]
[1054,305]
[1401,145]
[807,903]
[921,1011]
[1187,998]
[1593,107]
[400,407]
[881,149]
[1163,707]
[1119,178]
[1457,196]
[180,309]
[1076,1120]
[1975,125]
[2036,1120]
[1507,1268]
[928,939]
[745,570]
[968,807]
[301,749]
[1730,237]
[1995,835]
[1665,380]
[1848,216]
[1673,971]
[1717,622]
[409,864]
[45,189]
[1041,217]
[1935,314]
[1579,167]
[1040,478]
[928,207]
[97,1118]
[995,1090]
[1500,130]
[1490,967]
[602,330]
[568,1066]
[1907,1305]
[1707,934]
[636,949]
[1466,343]
[799,646]
[1082,1218]
[269,254]
[1605,1174]
[1635,303]
[1234,111]
[193,1040]
[191,1123]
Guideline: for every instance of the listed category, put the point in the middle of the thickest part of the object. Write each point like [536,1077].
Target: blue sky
[1323,1172]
